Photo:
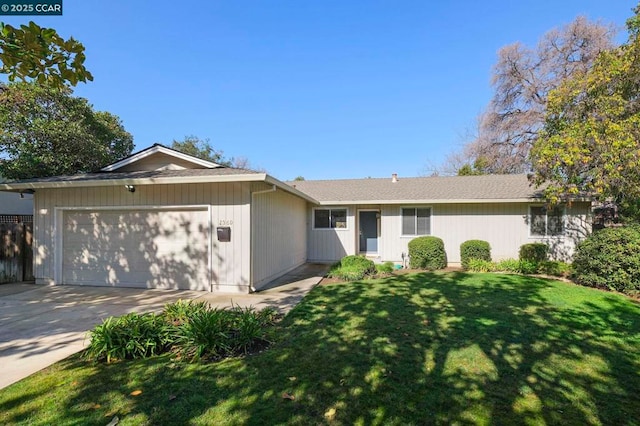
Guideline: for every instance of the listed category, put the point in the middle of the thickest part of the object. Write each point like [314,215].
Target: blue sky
[324,89]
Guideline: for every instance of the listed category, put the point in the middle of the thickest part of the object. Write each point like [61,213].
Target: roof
[148,177]
[159,148]
[445,189]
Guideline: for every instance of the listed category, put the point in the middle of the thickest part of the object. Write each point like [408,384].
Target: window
[330,218]
[416,221]
[544,222]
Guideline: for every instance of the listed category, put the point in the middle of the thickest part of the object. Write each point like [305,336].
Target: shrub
[474,249]
[353,268]
[555,268]
[250,328]
[534,252]
[206,334]
[609,258]
[427,253]
[385,268]
[129,336]
[214,333]
[480,265]
[179,312]
[527,267]
[508,265]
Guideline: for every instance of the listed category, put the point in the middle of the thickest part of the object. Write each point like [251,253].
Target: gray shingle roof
[423,189]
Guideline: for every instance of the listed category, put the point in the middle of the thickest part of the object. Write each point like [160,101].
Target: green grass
[433,348]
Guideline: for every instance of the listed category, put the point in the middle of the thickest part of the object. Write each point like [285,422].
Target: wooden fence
[16,249]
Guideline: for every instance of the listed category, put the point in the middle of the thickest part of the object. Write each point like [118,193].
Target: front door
[368,231]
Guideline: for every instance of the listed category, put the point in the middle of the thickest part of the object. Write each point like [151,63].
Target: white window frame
[402,208]
[313,219]
[563,212]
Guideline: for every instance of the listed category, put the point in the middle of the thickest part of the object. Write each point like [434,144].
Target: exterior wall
[11,203]
[158,161]
[504,226]
[330,245]
[279,236]
[229,204]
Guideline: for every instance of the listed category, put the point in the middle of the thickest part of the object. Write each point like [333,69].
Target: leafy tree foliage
[31,52]
[200,148]
[522,79]
[591,140]
[46,131]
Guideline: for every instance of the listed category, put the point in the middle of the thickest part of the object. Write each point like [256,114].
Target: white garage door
[137,248]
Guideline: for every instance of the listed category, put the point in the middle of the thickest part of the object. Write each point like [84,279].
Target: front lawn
[443,348]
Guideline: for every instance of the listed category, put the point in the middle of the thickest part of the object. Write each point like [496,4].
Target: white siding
[279,234]
[11,203]
[158,161]
[229,204]
[330,245]
[504,226]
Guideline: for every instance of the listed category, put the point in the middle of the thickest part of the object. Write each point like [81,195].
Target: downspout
[251,248]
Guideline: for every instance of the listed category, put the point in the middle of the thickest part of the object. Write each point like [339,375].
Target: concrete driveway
[40,325]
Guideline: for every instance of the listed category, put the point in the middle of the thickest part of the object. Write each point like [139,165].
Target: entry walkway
[41,325]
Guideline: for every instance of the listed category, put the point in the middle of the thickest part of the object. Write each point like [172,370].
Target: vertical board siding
[279,235]
[230,203]
[505,226]
[330,245]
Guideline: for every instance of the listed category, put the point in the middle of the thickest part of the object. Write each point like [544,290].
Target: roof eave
[159,149]
[290,189]
[22,186]
[432,201]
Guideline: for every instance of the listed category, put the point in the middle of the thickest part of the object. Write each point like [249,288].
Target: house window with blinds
[545,222]
[416,221]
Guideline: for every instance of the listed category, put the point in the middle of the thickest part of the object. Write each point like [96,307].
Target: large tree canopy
[31,52]
[522,79]
[200,148]
[46,131]
[591,140]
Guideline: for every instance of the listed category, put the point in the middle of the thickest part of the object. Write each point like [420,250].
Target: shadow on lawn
[415,349]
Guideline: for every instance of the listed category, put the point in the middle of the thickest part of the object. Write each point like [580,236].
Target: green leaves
[591,140]
[45,131]
[40,54]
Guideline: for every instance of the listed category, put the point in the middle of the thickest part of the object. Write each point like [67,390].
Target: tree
[200,148]
[34,53]
[46,131]
[299,178]
[591,139]
[522,79]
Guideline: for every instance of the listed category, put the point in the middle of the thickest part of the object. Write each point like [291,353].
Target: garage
[154,248]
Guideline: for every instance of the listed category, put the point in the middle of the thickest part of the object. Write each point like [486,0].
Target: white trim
[243,177]
[429,201]
[58,230]
[411,206]
[313,219]
[162,150]
[546,219]
[378,230]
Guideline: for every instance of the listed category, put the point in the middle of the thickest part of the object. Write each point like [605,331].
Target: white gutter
[273,188]
[79,183]
[434,201]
